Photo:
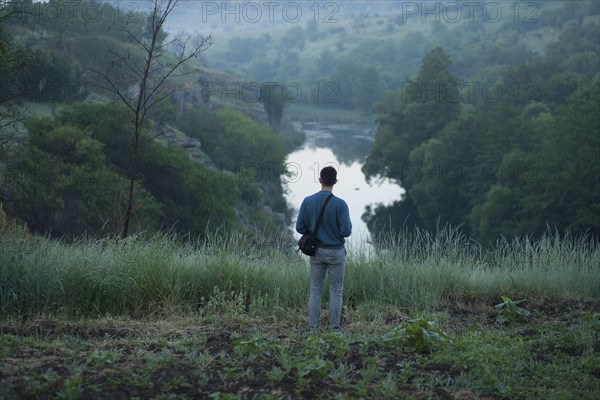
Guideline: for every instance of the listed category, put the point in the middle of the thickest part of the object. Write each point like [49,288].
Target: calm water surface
[344,147]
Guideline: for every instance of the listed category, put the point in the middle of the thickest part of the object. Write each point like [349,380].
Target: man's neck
[327,188]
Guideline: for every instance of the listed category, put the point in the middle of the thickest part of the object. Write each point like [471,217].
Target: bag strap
[320,219]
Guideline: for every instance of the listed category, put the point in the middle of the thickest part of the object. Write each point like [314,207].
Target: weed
[416,335]
[340,375]
[101,358]
[388,387]
[223,396]
[254,345]
[559,360]
[318,345]
[370,374]
[285,360]
[71,389]
[276,374]
[314,367]
[510,312]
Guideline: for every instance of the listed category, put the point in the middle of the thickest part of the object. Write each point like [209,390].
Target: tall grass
[142,276]
[418,268]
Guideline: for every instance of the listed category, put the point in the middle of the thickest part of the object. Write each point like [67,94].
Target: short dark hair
[328,176]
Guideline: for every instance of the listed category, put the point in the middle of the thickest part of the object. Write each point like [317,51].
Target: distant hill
[348,53]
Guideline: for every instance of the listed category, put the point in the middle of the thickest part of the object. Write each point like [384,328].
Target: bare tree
[161,57]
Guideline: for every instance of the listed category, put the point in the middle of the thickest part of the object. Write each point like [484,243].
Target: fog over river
[345,147]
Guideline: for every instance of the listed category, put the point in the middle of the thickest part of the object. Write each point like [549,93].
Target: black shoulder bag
[308,242]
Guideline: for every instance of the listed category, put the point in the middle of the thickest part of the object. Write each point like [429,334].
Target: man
[330,256]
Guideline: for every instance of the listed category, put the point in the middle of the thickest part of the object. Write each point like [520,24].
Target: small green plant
[419,335]
[510,312]
[252,348]
[340,375]
[102,357]
[388,387]
[223,396]
[314,367]
[71,388]
[326,343]
[276,374]
[285,359]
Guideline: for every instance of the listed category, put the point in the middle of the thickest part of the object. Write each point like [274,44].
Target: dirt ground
[45,359]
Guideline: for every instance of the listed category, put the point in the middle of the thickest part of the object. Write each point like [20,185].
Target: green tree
[43,76]
[233,140]
[112,132]
[570,154]
[366,89]
[241,49]
[557,184]
[197,198]
[454,171]
[325,63]
[412,116]
[289,68]
[60,181]
[271,96]
[241,146]
[9,115]
[293,38]
[69,177]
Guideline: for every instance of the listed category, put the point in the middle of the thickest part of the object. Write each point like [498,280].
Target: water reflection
[345,148]
[349,142]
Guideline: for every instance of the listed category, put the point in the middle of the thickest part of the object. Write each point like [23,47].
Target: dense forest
[65,172]
[364,49]
[518,160]
[488,125]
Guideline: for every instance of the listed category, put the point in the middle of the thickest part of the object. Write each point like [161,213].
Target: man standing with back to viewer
[330,256]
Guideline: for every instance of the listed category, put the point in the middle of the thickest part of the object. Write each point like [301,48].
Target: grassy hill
[375,47]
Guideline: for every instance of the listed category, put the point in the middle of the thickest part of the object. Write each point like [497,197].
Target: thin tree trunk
[140,116]
[148,97]
[133,172]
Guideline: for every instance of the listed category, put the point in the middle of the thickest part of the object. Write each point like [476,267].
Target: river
[345,147]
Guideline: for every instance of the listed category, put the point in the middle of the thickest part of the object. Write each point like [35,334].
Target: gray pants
[334,262]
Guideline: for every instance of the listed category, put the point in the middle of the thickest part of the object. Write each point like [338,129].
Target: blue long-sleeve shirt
[336,223]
